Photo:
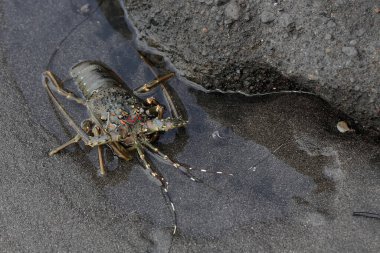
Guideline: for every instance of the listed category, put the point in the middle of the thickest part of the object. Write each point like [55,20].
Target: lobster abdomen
[93,76]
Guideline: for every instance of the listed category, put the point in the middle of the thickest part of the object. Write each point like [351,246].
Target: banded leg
[149,86]
[156,110]
[101,161]
[96,131]
[185,169]
[120,151]
[74,140]
[156,107]
[164,184]
[58,85]
[48,77]
[92,141]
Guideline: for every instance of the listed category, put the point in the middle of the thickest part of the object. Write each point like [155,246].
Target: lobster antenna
[69,34]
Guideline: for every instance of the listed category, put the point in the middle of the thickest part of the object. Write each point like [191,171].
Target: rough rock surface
[328,47]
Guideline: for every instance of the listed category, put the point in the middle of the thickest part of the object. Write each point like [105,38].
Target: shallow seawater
[278,146]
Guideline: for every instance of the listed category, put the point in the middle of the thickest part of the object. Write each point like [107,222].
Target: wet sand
[297,198]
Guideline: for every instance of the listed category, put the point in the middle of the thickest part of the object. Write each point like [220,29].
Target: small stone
[267,17]
[228,21]
[247,17]
[312,77]
[350,51]
[204,30]
[331,24]
[85,9]
[360,32]
[328,37]
[343,127]
[285,20]
[232,11]
[353,42]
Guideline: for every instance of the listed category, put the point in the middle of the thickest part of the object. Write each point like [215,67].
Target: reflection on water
[273,145]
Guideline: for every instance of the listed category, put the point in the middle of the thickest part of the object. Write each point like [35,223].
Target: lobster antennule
[163,125]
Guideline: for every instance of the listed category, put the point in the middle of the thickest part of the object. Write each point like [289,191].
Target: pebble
[232,11]
[285,20]
[85,9]
[312,77]
[331,24]
[360,32]
[267,17]
[350,51]
[343,127]
[328,37]
[353,42]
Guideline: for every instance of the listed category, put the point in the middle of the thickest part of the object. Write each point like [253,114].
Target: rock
[331,24]
[85,9]
[360,32]
[350,51]
[232,11]
[267,17]
[353,42]
[322,39]
[285,20]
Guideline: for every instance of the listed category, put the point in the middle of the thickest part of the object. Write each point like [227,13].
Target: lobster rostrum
[118,117]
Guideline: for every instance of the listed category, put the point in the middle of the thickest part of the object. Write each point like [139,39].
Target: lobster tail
[92,76]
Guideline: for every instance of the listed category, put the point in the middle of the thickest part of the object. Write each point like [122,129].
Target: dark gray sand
[296,181]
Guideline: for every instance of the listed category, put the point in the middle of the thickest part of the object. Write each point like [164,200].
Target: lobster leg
[156,107]
[157,110]
[120,151]
[149,86]
[164,184]
[74,140]
[152,84]
[91,141]
[96,132]
[169,100]
[59,87]
[101,161]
